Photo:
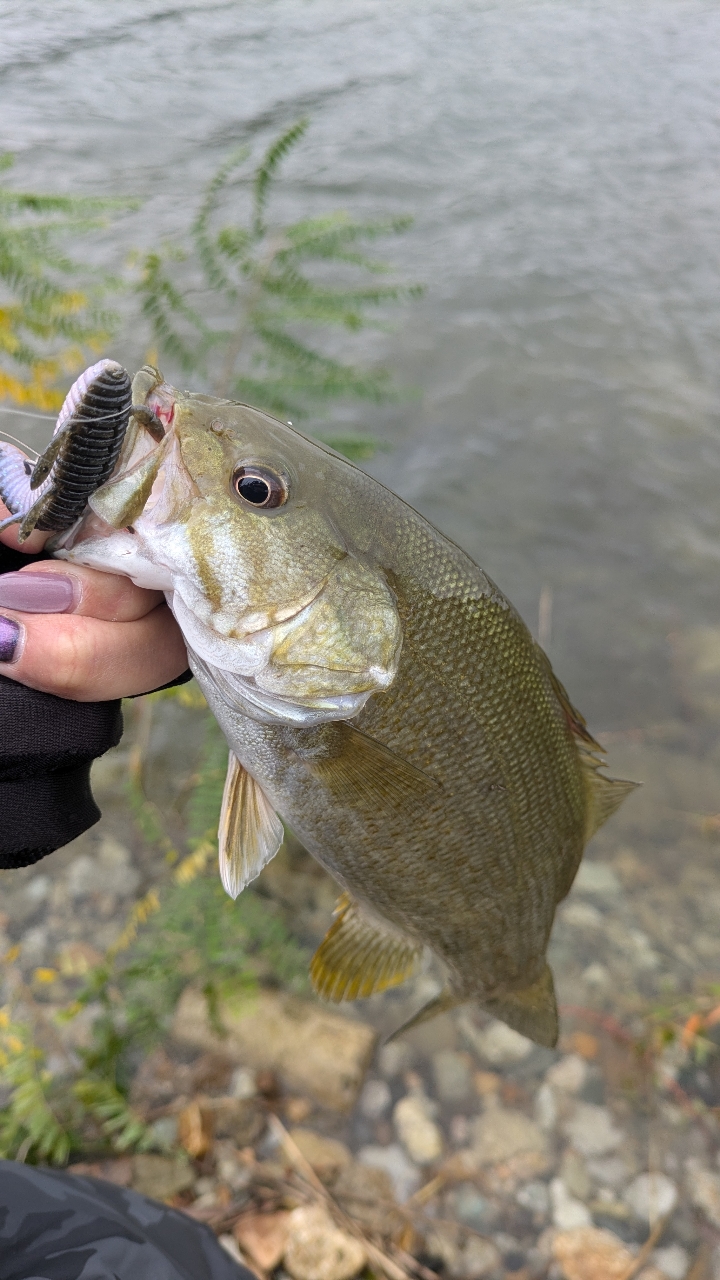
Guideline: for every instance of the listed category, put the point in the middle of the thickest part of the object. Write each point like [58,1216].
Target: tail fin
[531,1011]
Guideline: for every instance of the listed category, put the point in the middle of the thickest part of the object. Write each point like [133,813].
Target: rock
[535,1197]
[34,946]
[574,1174]
[471,1208]
[704,1191]
[597,975]
[110,872]
[161,1177]
[673,1261]
[241,1119]
[567,1212]
[612,1171]
[592,1130]
[546,1111]
[416,1130]
[117,1171]
[243,1084]
[581,915]
[590,1253]
[596,878]
[403,1175]
[395,1058]
[453,1077]
[569,1074]
[263,1237]
[651,1196]
[375,1099]
[478,1258]
[500,1045]
[318,1250]
[463,1256]
[367,1195]
[500,1133]
[326,1155]
[316,1052]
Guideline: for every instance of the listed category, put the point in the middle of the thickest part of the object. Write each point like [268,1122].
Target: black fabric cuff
[42,812]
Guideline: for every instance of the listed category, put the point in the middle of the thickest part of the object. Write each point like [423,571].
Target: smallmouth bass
[377,691]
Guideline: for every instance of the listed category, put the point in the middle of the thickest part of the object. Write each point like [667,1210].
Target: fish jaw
[297,627]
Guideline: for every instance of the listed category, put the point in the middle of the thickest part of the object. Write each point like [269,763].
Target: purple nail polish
[37,592]
[10,632]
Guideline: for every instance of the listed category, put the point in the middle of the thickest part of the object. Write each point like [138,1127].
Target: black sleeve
[47,746]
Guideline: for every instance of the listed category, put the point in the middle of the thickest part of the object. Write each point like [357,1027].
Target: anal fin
[250,832]
[361,955]
[532,1011]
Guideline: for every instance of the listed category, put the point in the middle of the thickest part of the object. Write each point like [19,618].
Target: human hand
[82,634]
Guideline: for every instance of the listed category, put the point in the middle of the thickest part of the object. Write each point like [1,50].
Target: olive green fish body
[377,691]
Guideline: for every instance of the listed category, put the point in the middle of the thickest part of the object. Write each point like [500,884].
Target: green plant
[188,931]
[272,285]
[51,311]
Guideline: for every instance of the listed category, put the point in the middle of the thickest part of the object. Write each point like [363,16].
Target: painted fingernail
[10,632]
[37,592]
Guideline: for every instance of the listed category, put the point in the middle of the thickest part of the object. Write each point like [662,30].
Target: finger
[51,586]
[9,536]
[88,659]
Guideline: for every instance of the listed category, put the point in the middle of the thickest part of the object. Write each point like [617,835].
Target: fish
[52,493]
[379,694]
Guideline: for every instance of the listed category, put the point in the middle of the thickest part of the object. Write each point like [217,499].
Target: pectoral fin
[250,831]
[359,770]
[360,955]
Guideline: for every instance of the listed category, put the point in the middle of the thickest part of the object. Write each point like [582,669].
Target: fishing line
[22,444]
[25,413]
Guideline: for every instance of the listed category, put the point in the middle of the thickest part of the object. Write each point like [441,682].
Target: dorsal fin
[359,770]
[361,954]
[250,832]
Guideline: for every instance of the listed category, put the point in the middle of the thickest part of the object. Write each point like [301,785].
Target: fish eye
[260,487]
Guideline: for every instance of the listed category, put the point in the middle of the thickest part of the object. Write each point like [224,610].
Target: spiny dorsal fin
[361,954]
[360,770]
[250,831]
[531,1011]
[605,795]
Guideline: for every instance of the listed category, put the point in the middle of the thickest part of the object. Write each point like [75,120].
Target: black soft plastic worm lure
[53,493]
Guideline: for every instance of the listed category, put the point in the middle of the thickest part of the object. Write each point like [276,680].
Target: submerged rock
[453,1077]
[704,1191]
[567,1212]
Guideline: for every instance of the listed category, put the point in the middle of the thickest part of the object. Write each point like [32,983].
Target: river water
[562,162]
